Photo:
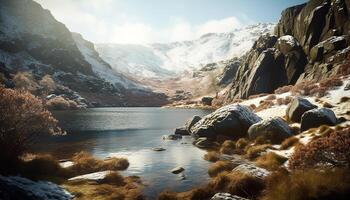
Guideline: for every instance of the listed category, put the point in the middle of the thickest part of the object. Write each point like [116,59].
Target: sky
[151,21]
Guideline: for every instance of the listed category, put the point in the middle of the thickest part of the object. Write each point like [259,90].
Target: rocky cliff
[32,40]
[310,42]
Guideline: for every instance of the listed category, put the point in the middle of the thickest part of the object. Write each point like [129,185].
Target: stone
[177,170]
[317,117]
[172,137]
[158,149]
[189,124]
[273,129]
[182,131]
[226,196]
[207,101]
[252,170]
[204,143]
[232,120]
[297,108]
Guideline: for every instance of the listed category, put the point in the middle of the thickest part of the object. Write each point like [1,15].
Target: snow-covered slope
[159,60]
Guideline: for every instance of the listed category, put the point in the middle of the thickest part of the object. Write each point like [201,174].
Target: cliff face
[311,42]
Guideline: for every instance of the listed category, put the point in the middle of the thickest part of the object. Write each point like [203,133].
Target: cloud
[101,22]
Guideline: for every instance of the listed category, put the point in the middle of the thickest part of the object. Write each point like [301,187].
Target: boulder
[204,143]
[297,108]
[231,120]
[317,117]
[226,196]
[172,137]
[274,129]
[252,170]
[182,131]
[189,124]
[229,72]
[207,101]
[158,149]
[177,170]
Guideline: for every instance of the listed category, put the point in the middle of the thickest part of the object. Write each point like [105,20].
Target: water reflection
[132,133]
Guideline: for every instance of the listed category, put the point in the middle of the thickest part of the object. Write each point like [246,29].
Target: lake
[132,133]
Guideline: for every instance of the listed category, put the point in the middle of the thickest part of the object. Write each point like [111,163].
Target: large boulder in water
[274,129]
[231,120]
[191,122]
[297,108]
[317,117]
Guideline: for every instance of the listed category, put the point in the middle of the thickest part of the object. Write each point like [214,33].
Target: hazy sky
[148,21]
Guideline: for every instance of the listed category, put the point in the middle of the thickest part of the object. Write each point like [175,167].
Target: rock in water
[172,137]
[226,196]
[231,120]
[274,129]
[207,101]
[317,117]
[177,170]
[189,124]
[181,131]
[297,108]
[158,149]
[204,143]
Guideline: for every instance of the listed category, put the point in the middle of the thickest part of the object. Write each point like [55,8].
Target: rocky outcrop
[15,187]
[191,122]
[297,108]
[317,117]
[274,129]
[226,196]
[229,71]
[207,101]
[204,143]
[252,170]
[311,42]
[231,120]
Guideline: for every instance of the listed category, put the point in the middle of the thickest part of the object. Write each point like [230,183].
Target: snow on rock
[15,187]
[317,117]
[226,196]
[159,60]
[96,176]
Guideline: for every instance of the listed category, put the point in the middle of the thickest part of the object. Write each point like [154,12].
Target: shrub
[271,161]
[84,163]
[289,142]
[228,147]
[308,184]
[237,183]
[114,178]
[25,81]
[241,143]
[23,119]
[331,82]
[331,150]
[60,103]
[48,84]
[219,167]
[212,156]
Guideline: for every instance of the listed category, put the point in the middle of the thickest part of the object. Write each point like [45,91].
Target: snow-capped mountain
[161,60]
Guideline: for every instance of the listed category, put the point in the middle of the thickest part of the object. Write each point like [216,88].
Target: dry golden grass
[270,161]
[84,163]
[289,142]
[241,143]
[253,152]
[308,184]
[212,156]
[228,147]
[220,166]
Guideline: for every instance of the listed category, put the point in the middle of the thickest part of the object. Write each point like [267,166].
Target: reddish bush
[23,118]
[60,103]
[330,150]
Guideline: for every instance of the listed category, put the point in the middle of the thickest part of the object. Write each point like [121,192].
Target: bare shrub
[25,81]
[329,150]
[23,119]
[60,103]
[253,152]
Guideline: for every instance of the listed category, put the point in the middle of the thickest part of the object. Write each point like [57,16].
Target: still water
[132,133]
